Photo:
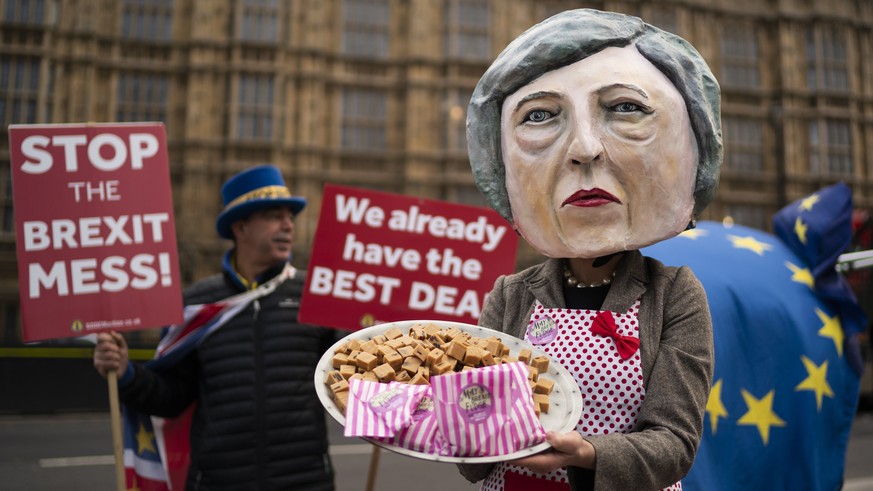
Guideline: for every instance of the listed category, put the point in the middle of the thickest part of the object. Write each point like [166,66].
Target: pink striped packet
[377,409]
[486,412]
[527,430]
[421,434]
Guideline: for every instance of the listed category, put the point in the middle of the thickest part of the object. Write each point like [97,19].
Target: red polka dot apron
[603,356]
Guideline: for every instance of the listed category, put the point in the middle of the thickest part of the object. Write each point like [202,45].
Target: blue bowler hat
[251,190]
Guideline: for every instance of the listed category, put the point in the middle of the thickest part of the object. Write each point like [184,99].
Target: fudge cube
[411,365]
[384,372]
[525,355]
[347,371]
[333,377]
[340,359]
[366,360]
[541,363]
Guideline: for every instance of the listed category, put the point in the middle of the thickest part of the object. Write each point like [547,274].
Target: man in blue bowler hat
[248,368]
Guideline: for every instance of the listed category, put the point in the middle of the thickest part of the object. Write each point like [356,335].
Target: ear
[238,228]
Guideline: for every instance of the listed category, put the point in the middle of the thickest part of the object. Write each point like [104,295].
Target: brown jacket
[676,353]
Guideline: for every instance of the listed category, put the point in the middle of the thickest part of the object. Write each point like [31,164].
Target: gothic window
[147,20]
[142,97]
[364,119]
[24,11]
[744,147]
[830,148]
[366,26]
[456,115]
[255,102]
[827,60]
[466,29]
[258,21]
[740,57]
[19,90]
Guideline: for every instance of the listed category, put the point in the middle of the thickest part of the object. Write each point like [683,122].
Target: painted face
[266,236]
[600,157]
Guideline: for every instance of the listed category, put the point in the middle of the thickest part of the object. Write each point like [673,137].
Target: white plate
[565,401]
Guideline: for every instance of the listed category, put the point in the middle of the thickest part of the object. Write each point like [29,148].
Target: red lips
[590,198]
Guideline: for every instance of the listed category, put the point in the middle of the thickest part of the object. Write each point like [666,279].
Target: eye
[626,107]
[538,116]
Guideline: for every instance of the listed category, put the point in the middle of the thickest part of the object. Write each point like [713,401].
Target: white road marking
[77,461]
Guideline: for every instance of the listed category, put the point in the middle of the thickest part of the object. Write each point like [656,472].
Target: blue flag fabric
[819,228]
[784,396]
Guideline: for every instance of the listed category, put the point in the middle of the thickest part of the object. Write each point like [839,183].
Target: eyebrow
[551,93]
[623,86]
[538,95]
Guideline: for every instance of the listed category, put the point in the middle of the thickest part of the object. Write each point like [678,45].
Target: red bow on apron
[604,325]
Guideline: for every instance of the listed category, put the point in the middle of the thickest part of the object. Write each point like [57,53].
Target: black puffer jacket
[258,423]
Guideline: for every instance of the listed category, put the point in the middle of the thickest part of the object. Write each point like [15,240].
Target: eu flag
[784,394]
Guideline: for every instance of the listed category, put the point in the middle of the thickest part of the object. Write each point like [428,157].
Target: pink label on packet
[423,410]
[387,401]
[475,403]
[542,331]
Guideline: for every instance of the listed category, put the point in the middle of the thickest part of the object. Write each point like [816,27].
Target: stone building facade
[373,93]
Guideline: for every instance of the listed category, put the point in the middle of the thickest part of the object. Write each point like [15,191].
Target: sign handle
[374,467]
[117,443]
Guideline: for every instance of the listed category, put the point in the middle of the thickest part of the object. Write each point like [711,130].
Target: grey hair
[571,36]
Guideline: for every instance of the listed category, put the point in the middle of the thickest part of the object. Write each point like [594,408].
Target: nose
[585,146]
[288,221]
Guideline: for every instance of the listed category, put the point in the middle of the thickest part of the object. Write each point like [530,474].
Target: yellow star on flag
[144,440]
[750,243]
[816,380]
[801,275]
[809,202]
[800,229]
[760,414]
[693,233]
[831,328]
[715,407]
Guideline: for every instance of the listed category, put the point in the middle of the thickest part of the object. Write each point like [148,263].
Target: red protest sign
[94,228]
[380,257]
